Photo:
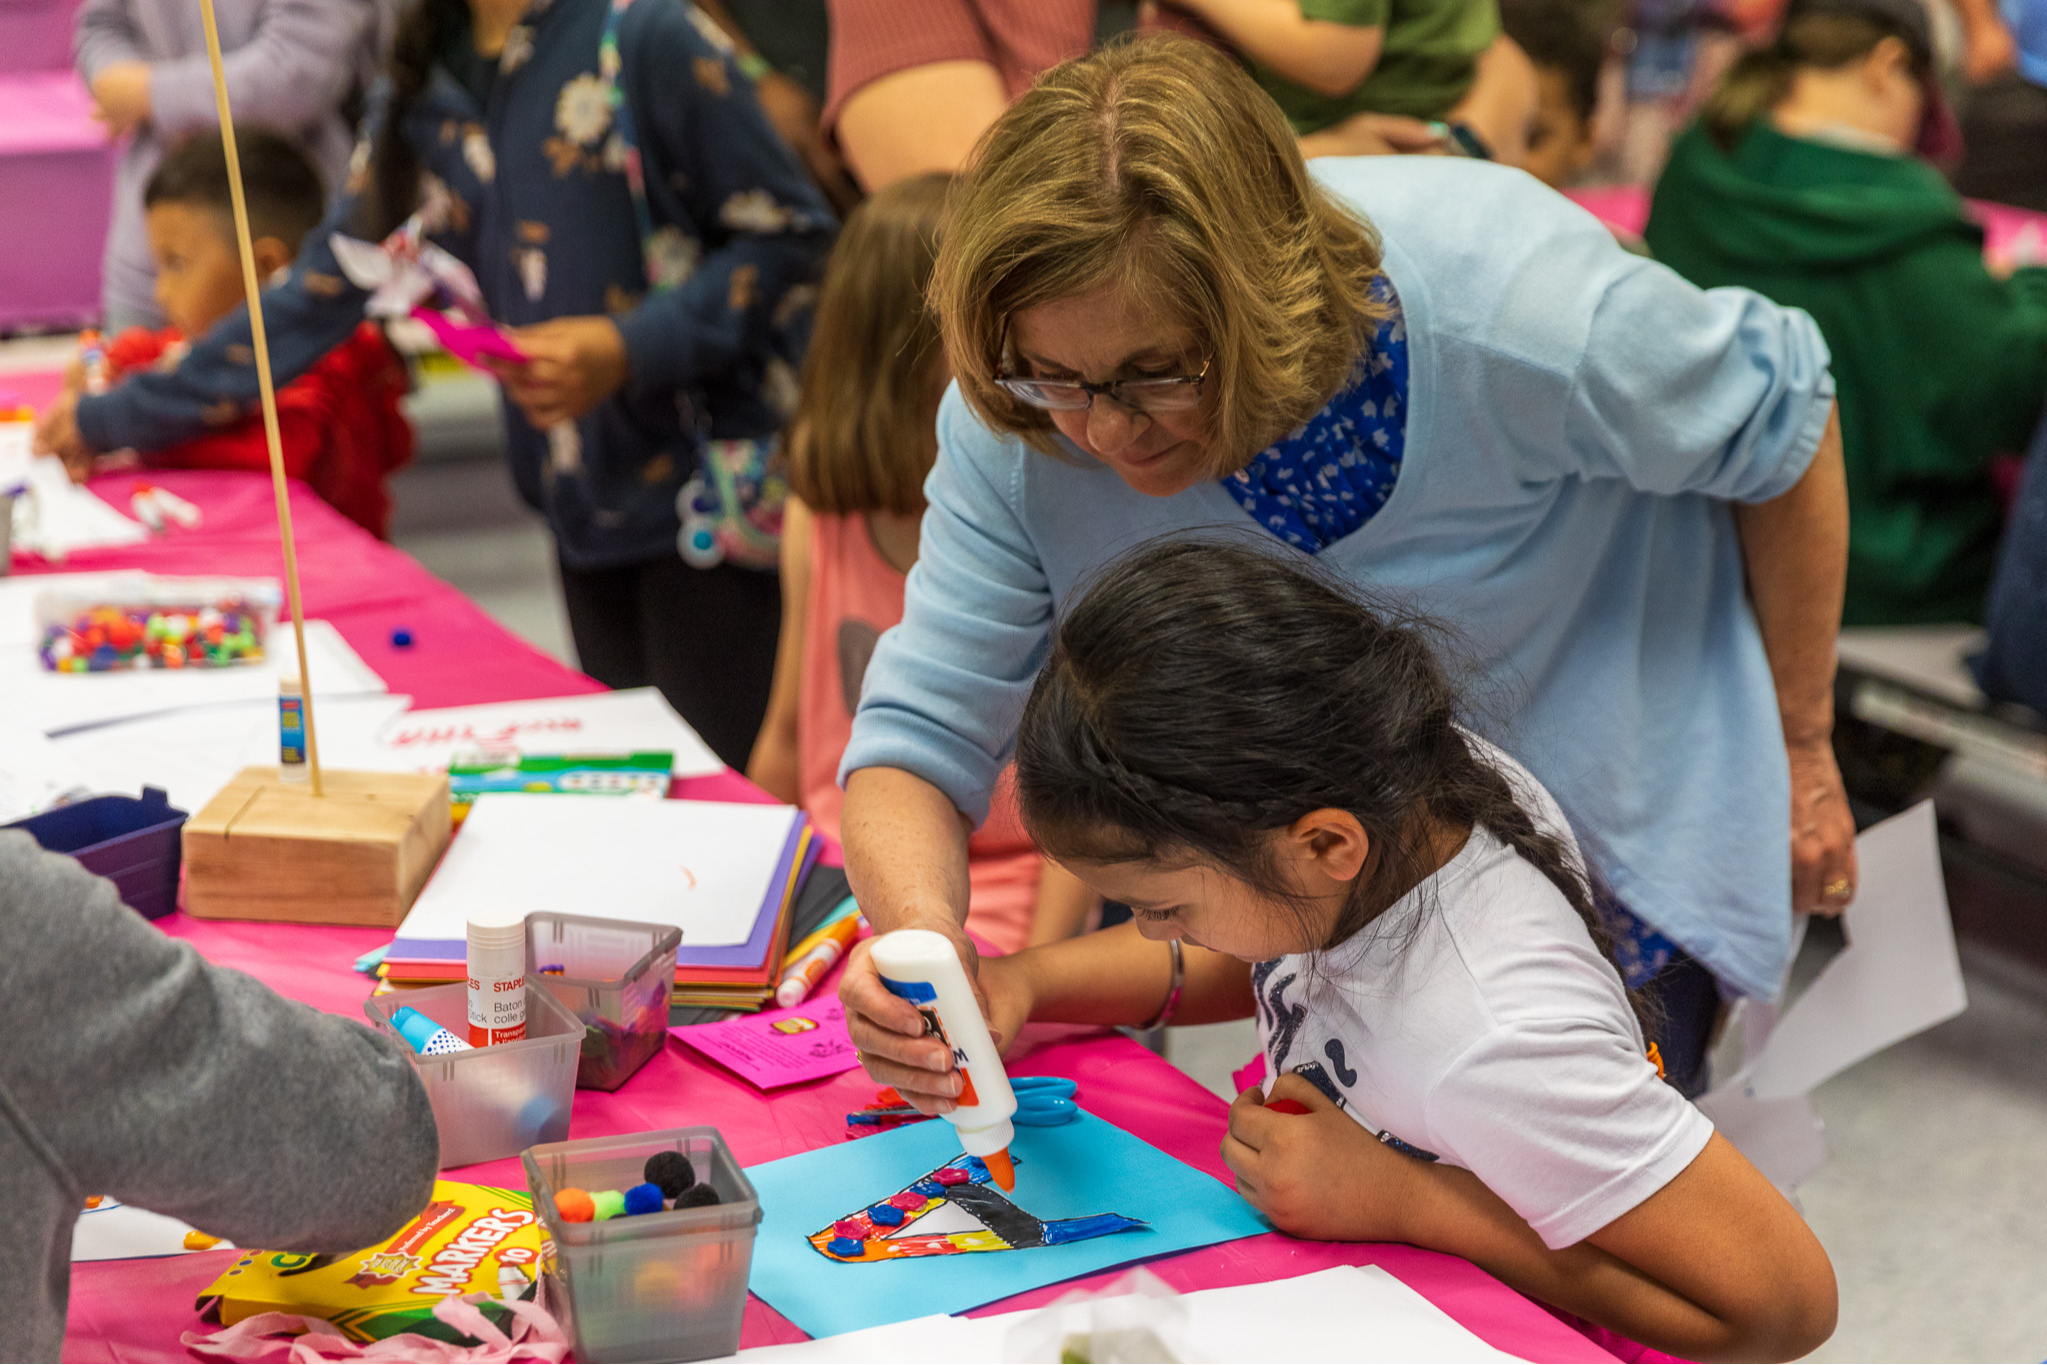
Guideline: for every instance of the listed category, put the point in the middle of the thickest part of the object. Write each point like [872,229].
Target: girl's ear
[1330,842]
[1890,60]
[271,256]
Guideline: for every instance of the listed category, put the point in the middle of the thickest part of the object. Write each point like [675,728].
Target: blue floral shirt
[1322,482]
[531,192]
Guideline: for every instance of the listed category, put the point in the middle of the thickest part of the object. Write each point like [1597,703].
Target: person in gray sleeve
[136,1069]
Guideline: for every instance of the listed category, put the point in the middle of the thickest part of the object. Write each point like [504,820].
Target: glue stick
[924,968]
[291,731]
[497,982]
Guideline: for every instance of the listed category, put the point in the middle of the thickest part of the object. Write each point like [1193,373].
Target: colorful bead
[885,1216]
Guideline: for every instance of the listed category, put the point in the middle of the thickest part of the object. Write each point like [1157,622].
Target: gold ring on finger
[1838,890]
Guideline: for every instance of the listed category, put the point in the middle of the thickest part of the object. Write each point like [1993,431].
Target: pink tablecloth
[134,1310]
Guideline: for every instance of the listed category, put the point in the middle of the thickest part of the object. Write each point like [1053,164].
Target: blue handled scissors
[1041,1102]
[1044,1101]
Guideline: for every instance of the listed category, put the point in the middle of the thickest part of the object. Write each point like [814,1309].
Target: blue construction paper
[1070,1171]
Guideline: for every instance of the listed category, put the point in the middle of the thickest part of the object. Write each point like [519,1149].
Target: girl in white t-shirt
[1273,776]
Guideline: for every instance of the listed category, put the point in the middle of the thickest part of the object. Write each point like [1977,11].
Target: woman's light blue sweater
[1580,420]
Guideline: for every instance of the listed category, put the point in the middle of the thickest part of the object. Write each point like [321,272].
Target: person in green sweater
[1801,182]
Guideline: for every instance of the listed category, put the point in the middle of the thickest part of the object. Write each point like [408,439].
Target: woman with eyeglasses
[1454,389]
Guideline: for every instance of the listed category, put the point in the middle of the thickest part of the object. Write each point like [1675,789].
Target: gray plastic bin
[658,1286]
[493,1102]
[617,976]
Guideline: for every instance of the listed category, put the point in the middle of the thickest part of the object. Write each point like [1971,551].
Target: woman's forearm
[1120,977]
[906,851]
[1796,550]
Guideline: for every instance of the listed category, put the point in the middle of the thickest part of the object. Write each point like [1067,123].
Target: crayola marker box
[470,1238]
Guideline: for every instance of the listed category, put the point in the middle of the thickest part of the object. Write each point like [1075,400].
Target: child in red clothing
[340,424]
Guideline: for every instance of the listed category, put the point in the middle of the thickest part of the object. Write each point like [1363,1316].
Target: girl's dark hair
[423,34]
[1203,694]
[1761,79]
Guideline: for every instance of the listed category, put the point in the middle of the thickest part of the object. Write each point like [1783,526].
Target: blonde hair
[863,435]
[1159,166]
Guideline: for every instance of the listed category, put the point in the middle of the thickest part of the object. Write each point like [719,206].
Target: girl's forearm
[1452,1211]
[1120,977]
[906,851]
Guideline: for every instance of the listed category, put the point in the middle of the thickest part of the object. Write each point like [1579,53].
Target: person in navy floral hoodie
[659,344]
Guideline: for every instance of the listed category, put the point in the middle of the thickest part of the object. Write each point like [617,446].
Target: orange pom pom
[575,1205]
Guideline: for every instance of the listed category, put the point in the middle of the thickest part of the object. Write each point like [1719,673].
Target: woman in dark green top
[1800,182]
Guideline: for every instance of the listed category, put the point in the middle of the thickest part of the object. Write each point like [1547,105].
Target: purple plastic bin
[133,843]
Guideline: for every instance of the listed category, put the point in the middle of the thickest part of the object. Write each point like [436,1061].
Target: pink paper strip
[779,1047]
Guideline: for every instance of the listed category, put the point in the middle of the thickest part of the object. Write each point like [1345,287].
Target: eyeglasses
[1176,394]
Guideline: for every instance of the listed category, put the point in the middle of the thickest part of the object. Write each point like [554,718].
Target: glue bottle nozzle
[999,1166]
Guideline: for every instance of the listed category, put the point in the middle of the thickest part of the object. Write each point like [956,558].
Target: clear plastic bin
[617,976]
[493,1102]
[659,1286]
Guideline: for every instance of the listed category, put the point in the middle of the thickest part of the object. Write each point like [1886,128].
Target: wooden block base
[264,849]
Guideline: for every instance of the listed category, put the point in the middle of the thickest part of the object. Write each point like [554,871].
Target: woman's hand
[1823,869]
[120,97]
[1319,1174]
[889,1032]
[572,365]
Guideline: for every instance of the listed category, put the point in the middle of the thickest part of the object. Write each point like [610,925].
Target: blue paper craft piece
[1071,1171]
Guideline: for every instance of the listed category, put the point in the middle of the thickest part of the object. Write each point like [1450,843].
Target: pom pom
[885,1216]
[671,1171]
[696,1197]
[847,1246]
[608,1203]
[574,1205]
[644,1199]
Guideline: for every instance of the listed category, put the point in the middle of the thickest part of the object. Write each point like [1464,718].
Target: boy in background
[1569,51]
[289,64]
[340,423]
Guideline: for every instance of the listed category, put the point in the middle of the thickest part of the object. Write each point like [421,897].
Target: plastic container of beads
[493,1102]
[651,1286]
[131,842]
[616,976]
[141,621]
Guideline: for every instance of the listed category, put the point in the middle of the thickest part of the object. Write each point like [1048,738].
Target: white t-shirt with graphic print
[1475,1020]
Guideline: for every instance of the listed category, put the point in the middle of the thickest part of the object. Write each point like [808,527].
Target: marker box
[616,976]
[654,1286]
[492,1102]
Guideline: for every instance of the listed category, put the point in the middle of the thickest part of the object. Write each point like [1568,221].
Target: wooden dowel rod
[253,288]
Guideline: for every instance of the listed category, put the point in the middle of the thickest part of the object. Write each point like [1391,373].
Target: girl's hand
[120,97]
[572,365]
[56,433]
[889,1032]
[1319,1174]
[1822,832]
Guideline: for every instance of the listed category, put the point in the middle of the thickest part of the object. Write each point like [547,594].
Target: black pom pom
[671,1171]
[696,1197]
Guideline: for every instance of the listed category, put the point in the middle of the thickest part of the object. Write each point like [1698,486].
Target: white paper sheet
[423,741]
[57,703]
[1347,1313]
[702,866]
[120,1232]
[1899,974]
[36,773]
[57,517]
[192,754]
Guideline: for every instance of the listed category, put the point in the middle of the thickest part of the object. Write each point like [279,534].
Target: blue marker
[428,1039]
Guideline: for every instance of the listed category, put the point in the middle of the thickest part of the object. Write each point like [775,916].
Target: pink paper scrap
[779,1047]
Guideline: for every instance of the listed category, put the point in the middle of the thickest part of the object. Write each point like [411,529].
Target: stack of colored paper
[725,873]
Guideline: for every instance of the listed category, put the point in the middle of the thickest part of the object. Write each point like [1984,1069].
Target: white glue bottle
[924,968]
[497,982]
